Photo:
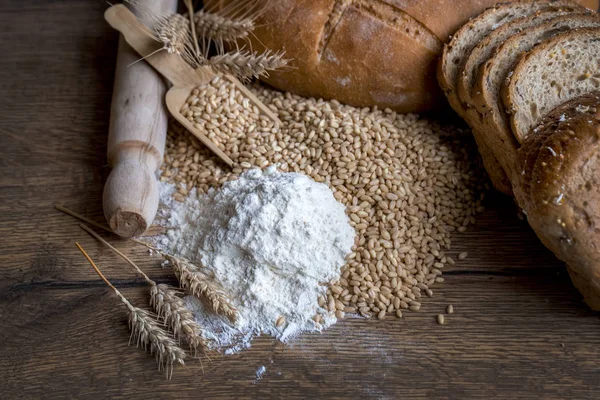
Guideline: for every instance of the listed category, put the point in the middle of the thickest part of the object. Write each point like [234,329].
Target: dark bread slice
[559,69]
[487,91]
[486,47]
[469,35]
[481,53]
[454,56]
[561,201]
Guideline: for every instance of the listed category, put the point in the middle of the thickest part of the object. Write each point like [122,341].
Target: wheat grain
[280,321]
[200,285]
[145,330]
[246,65]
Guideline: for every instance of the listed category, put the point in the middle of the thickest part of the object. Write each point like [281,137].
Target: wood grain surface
[519,330]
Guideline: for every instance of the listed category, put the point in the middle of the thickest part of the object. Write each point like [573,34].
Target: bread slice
[492,74]
[454,56]
[466,38]
[559,69]
[562,199]
[486,47]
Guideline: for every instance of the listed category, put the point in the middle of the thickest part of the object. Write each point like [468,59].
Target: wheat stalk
[145,330]
[97,225]
[199,284]
[166,303]
[246,65]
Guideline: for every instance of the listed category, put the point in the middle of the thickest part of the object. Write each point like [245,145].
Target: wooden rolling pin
[136,139]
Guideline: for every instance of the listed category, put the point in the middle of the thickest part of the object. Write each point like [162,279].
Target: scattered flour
[272,240]
[260,372]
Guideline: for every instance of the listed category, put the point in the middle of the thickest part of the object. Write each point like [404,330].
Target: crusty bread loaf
[486,93]
[559,69]
[362,52]
[560,188]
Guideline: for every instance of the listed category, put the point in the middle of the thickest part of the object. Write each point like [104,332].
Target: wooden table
[520,330]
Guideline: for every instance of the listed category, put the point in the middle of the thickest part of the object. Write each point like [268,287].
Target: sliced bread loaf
[559,69]
[492,74]
[486,47]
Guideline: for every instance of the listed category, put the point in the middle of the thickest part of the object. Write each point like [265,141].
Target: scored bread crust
[555,87]
[563,187]
[486,98]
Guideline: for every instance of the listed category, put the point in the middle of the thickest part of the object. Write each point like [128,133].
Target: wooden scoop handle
[136,140]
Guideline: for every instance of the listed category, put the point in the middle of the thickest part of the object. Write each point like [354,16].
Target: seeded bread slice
[492,74]
[486,47]
[561,200]
[556,71]
[469,35]
[452,61]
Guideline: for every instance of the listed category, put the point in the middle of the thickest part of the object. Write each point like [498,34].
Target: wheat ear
[220,28]
[246,65]
[145,330]
[172,30]
[166,303]
[227,24]
[199,284]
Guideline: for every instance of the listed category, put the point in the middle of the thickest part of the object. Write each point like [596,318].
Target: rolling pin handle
[130,197]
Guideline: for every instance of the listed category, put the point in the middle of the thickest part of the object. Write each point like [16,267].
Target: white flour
[272,240]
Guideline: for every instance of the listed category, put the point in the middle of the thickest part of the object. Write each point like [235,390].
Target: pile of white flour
[272,240]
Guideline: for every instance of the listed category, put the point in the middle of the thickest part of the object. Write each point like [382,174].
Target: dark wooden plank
[520,329]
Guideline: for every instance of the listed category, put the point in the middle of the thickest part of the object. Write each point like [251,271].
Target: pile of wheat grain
[407,182]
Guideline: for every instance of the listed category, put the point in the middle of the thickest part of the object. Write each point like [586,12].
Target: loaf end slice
[563,204]
[559,69]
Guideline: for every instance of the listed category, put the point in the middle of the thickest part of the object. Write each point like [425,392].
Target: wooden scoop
[183,77]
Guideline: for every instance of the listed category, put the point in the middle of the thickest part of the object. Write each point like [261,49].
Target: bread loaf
[362,52]
[554,166]
[560,188]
